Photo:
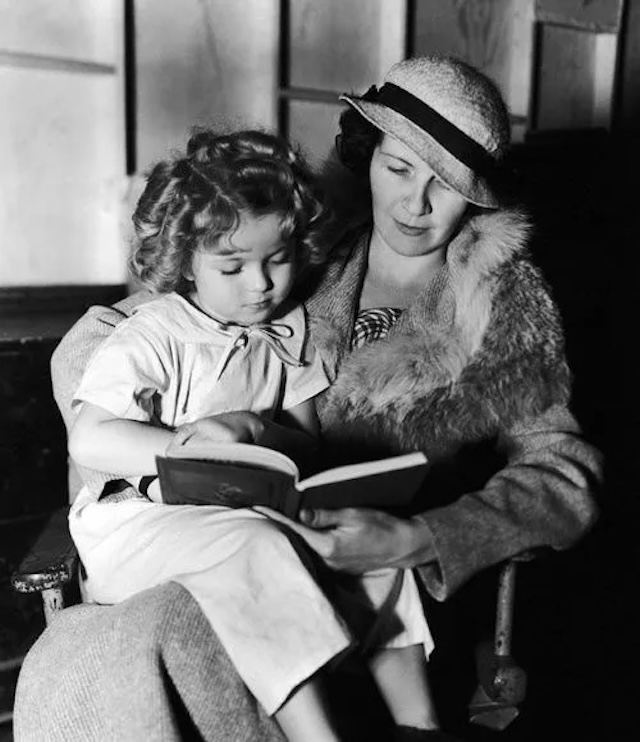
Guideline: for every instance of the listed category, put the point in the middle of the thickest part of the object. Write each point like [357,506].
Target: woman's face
[414,212]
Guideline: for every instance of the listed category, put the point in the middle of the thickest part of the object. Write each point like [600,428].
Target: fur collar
[480,349]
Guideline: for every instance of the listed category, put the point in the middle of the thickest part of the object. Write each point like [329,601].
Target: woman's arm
[542,498]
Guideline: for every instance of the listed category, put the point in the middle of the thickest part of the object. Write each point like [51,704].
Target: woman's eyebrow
[395,157]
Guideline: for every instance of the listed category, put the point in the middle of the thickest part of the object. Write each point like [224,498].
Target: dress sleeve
[305,382]
[543,497]
[76,348]
[126,372]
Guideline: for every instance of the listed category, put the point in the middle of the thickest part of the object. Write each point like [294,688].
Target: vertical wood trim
[536,55]
[522,59]
[52,603]
[130,87]
[283,47]
[392,38]
[120,106]
[604,69]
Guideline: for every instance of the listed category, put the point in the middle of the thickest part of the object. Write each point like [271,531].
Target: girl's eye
[281,258]
[398,170]
[231,271]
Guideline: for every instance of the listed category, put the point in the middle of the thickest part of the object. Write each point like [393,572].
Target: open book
[243,475]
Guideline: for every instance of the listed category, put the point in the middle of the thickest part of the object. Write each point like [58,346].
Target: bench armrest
[51,562]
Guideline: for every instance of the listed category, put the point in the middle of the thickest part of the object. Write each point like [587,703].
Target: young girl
[221,355]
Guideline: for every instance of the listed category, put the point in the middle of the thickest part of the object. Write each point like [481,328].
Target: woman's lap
[268,610]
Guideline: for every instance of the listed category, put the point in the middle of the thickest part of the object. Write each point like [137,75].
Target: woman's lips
[410,231]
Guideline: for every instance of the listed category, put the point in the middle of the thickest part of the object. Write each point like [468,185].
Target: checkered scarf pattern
[373,324]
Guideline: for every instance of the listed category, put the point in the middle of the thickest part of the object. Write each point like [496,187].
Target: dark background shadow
[576,625]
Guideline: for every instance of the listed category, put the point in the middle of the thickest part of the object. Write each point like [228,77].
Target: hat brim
[458,176]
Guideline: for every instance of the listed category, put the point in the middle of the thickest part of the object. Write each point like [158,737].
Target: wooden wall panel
[314,126]
[74,29]
[61,142]
[209,62]
[494,35]
[576,78]
[344,46]
[629,109]
[565,79]
[596,15]
[62,178]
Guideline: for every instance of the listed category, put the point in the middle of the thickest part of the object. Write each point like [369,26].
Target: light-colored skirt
[278,622]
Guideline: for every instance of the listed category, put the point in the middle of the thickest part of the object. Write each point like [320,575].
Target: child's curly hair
[191,201]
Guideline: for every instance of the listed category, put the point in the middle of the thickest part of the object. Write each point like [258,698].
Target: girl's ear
[187,269]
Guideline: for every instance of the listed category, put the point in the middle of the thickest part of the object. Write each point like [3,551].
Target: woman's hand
[358,540]
[227,427]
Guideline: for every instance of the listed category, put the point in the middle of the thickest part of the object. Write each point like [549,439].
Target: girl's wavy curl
[191,201]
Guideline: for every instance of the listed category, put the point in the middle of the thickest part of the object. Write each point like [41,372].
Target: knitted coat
[474,374]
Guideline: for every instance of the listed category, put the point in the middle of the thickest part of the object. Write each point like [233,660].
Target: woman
[438,334]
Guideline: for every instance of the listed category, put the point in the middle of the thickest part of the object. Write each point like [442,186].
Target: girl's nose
[260,280]
[416,201]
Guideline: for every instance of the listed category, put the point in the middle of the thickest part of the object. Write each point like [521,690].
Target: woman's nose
[416,201]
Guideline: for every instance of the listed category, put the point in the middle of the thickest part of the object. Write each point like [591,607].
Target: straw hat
[450,115]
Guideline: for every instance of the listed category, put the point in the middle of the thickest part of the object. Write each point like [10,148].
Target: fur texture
[481,349]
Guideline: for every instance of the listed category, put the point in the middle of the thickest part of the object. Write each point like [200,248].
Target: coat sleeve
[148,668]
[543,497]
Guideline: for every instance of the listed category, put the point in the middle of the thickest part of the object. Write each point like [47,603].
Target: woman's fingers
[322,518]
[319,541]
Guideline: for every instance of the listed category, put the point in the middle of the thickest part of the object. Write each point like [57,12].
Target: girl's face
[247,275]
[414,212]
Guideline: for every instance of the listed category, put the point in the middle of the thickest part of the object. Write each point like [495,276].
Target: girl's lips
[259,304]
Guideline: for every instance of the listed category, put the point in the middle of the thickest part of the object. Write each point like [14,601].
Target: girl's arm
[100,440]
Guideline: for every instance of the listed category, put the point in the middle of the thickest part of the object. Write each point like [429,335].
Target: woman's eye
[398,170]
[231,271]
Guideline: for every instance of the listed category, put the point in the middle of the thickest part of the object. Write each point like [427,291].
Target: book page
[238,453]
[358,471]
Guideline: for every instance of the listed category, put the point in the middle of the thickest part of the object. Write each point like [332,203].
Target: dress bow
[272,333]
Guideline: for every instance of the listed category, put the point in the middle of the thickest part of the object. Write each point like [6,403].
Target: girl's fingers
[182,435]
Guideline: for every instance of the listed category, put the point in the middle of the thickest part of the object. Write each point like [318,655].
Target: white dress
[173,364]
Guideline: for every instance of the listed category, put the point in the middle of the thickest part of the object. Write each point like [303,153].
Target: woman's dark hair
[191,201]
[356,141]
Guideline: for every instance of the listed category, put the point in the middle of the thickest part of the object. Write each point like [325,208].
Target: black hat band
[455,141]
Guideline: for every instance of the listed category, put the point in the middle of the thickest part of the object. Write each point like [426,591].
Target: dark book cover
[241,475]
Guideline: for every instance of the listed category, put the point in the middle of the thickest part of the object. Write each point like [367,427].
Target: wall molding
[56,64]
[26,301]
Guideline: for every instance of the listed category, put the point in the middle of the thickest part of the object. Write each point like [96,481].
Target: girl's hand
[228,427]
[358,540]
